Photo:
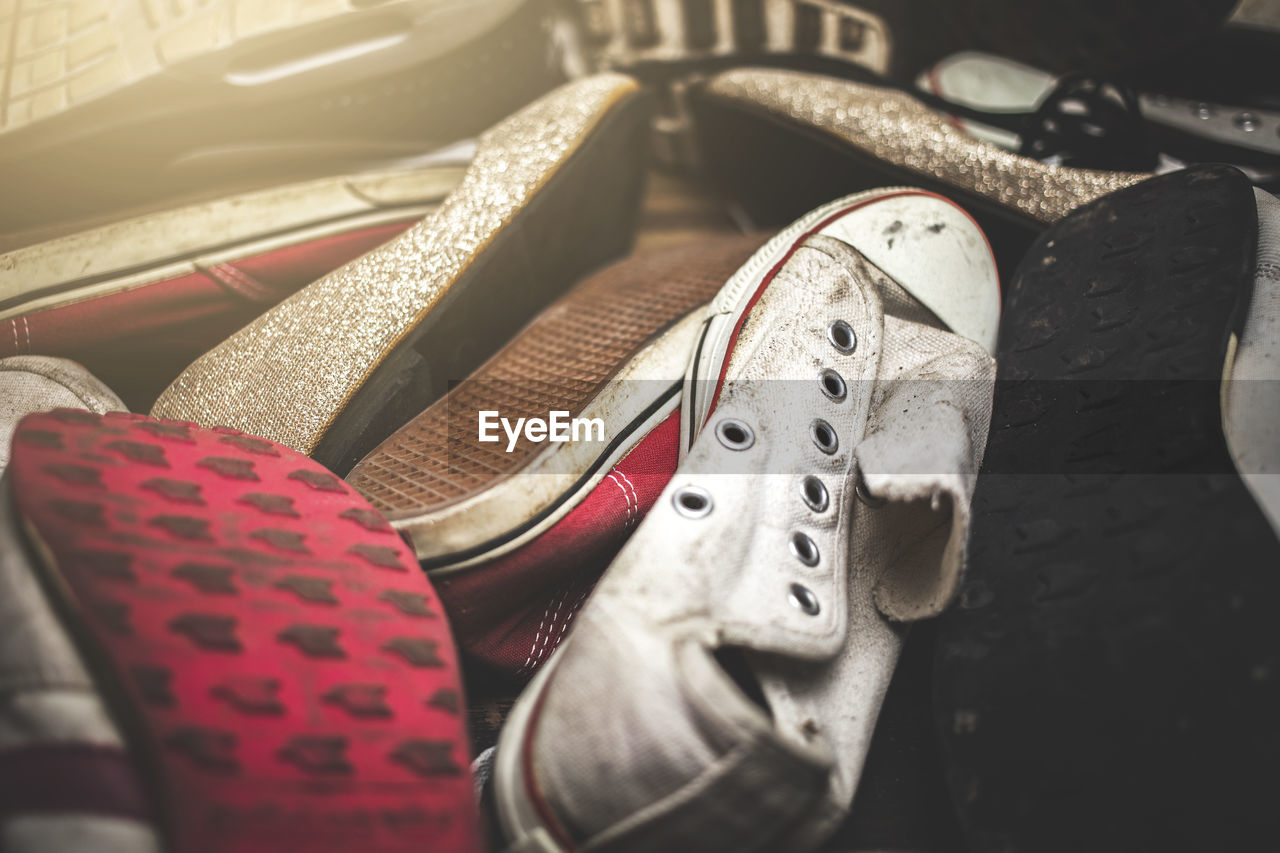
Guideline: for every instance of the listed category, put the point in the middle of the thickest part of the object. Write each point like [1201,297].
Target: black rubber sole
[1109,678]
[584,217]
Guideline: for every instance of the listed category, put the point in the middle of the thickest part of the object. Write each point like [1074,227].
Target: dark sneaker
[1109,679]
[890,38]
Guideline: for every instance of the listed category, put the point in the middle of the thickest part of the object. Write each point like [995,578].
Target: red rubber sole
[279,662]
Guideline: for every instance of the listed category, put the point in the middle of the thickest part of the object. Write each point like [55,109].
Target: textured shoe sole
[1109,680]
[263,635]
[578,353]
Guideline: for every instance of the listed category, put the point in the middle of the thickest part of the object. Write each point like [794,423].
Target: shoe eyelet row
[692,502]
[833,386]
[803,599]
[734,434]
[815,494]
[842,337]
[824,436]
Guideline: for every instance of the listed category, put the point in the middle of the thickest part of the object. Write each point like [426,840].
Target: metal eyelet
[802,598]
[824,436]
[842,337]
[864,494]
[815,494]
[804,549]
[833,385]
[692,502]
[734,434]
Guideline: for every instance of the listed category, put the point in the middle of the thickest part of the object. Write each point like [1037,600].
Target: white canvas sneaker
[721,687]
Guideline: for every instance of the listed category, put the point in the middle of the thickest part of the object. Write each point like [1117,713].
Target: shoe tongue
[899,303]
[895,301]
[935,253]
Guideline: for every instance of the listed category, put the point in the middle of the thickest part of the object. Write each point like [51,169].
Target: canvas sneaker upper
[721,686]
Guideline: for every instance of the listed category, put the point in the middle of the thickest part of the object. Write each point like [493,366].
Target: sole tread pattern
[253,652]
[1108,680]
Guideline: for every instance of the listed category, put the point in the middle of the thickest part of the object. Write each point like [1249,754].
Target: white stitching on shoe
[17,348]
[564,629]
[626,496]
[564,596]
[635,496]
[527,661]
[27,328]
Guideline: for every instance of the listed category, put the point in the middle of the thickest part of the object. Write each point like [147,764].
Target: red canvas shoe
[139,300]
[515,531]
[283,670]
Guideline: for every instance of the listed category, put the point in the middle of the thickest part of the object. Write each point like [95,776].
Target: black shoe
[1109,679]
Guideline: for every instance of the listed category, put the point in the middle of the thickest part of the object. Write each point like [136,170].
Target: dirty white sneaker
[721,687]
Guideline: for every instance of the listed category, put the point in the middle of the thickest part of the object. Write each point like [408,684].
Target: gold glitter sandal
[553,192]
[785,141]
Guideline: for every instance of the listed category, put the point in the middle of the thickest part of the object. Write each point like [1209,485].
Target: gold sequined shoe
[553,192]
[785,141]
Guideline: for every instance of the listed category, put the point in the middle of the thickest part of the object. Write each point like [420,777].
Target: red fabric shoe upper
[513,612]
[138,340]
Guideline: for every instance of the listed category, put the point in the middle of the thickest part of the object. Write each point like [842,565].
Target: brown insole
[560,361]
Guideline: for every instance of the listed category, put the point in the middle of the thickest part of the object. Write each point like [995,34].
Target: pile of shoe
[630,425]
